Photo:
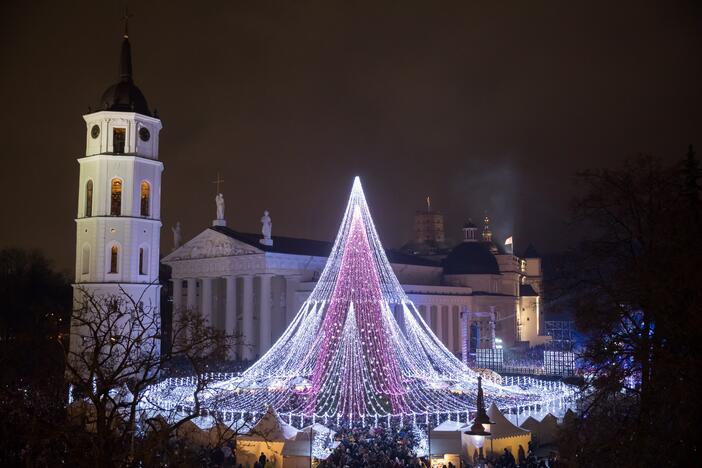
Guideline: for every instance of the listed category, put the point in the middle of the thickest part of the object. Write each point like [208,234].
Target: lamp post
[477,430]
[477,435]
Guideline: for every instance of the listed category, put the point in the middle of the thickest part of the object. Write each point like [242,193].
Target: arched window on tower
[145,198]
[86,260]
[89,198]
[143,261]
[116,200]
[114,259]
[119,136]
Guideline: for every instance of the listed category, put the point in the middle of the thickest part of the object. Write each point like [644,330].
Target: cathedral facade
[473,295]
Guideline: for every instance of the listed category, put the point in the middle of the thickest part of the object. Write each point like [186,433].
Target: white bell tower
[118,220]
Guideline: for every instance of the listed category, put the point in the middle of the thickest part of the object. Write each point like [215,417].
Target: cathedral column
[264,317]
[230,311]
[248,335]
[230,306]
[493,319]
[440,323]
[292,283]
[427,315]
[177,296]
[191,301]
[451,325]
[206,296]
[465,318]
[177,311]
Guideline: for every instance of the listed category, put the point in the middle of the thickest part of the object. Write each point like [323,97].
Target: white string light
[345,356]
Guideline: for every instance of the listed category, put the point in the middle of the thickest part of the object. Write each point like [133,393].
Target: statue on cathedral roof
[266,228]
[219,200]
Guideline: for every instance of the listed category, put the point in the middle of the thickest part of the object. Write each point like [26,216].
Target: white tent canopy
[449,426]
[503,427]
[531,424]
[271,428]
[446,438]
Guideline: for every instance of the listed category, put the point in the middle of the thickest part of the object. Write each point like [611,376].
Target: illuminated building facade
[469,296]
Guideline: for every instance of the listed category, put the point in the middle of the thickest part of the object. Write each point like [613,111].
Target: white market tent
[533,425]
[269,436]
[503,435]
[296,452]
[548,429]
[446,441]
[446,438]
[503,427]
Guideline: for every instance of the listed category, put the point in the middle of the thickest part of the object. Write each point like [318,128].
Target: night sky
[479,106]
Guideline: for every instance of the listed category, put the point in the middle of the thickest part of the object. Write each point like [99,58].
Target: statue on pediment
[219,200]
[266,229]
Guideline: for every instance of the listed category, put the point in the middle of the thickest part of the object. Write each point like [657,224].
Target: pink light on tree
[354,356]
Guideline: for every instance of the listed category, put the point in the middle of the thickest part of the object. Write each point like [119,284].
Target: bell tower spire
[125,60]
[125,18]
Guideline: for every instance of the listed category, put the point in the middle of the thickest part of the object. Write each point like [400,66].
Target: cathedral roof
[316,248]
[125,96]
[471,258]
[427,247]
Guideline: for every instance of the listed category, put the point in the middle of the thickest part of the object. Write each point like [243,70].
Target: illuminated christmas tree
[345,355]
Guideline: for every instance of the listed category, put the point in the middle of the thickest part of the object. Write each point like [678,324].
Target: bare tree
[634,281]
[114,362]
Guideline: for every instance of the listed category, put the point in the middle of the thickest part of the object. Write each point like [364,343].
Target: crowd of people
[396,447]
[381,447]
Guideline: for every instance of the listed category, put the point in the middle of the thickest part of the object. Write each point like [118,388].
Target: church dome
[125,96]
[471,258]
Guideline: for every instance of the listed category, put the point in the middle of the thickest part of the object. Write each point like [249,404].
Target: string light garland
[345,358]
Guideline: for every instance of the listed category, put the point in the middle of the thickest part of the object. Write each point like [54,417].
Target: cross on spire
[218,181]
[125,18]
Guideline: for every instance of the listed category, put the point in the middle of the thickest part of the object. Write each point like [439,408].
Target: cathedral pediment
[211,244]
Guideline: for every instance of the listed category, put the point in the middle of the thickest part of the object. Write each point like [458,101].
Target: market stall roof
[271,428]
[503,427]
[449,426]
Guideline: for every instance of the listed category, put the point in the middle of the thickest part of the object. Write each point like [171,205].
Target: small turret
[470,231]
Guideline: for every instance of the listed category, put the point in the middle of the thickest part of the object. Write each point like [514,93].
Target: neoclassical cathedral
[475,294]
